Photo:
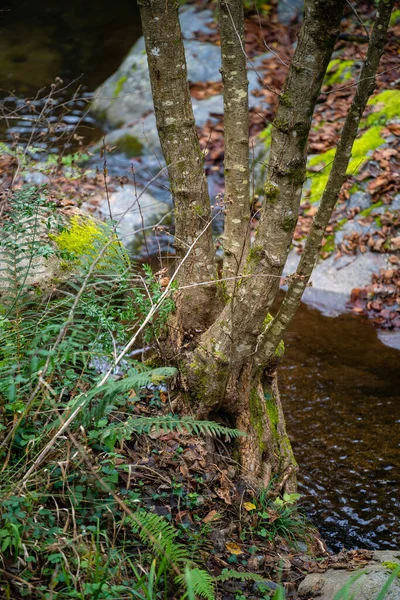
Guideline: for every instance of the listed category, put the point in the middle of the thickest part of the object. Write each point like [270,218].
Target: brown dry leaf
[184,470]
[233,548]
[395,242]
[211,516]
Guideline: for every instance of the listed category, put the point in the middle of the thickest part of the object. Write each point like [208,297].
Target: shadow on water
[341,393]
[340,385]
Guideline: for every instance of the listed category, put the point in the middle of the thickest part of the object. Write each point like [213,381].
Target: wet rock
[370,580]
[390,338]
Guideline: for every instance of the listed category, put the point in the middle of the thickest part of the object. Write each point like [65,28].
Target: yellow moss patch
[86,238]
[367,142]
[387,107]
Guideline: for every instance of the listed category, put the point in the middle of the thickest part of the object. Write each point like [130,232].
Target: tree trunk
[228,370]
[184,158]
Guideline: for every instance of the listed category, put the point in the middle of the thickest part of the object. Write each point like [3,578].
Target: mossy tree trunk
[228,355]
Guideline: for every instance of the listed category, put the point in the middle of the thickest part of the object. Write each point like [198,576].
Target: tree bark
[236,236]
[185,161]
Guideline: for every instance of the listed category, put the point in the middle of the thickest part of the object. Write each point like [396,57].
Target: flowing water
[340,386]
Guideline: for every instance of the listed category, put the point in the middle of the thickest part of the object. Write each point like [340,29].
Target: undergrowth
[69,526]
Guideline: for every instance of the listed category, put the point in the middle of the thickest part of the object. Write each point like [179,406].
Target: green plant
[278,517]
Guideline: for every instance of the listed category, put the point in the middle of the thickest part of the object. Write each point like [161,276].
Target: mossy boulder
[41,262]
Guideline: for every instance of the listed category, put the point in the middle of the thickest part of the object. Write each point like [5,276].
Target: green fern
[118,432]
[200,582]
[241,576]
[162,537]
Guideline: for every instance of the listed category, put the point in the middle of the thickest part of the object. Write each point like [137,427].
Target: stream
[340,385]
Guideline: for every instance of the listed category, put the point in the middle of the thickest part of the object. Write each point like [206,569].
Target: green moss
[394,18]
[271,191]
[391,566]
[285,100]
[367,211]
[280,351]
[266,136]
[367,142]
[282,125]
[256,416]
[129,144]
[119,85]
[339,71]
[272,412]
[198,209]
[256,253]
[84,238]
[289,223]
[387,105]
[329,245]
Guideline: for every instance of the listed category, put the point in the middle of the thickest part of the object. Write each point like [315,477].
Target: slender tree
[223,339]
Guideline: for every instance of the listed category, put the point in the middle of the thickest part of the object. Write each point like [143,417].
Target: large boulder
[368,581]
[126,95]
[133,210]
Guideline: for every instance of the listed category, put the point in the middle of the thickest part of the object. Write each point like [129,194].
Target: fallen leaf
[211,516]
[233,548]
[249,506]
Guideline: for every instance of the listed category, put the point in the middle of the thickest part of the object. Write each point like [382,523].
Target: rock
[370,580]
[360,199]
[126,95]
[289,11]
[36,178]
[333,280]
[37,265]
[125,210]
[390,338]
[395,205]
[353,226]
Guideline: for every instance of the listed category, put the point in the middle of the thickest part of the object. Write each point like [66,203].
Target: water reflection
[341,392]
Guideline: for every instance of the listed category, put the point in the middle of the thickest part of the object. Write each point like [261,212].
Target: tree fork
[236,332]
[184,158]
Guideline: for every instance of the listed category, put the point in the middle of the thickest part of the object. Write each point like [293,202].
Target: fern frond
[201,582]
[165,423]
[160,534]
[239,575]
